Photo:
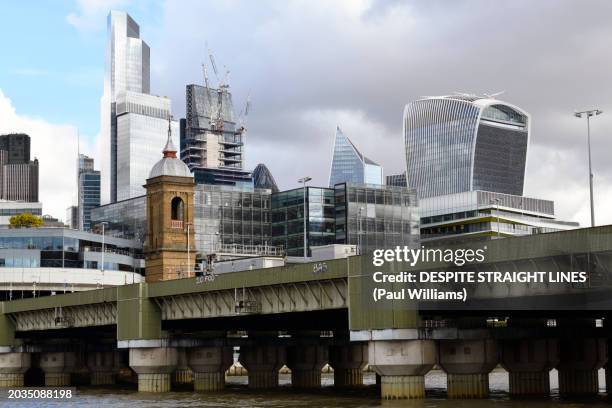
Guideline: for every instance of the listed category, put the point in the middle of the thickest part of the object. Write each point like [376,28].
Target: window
[178,209]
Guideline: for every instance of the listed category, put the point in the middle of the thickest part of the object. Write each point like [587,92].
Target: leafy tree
[25,220]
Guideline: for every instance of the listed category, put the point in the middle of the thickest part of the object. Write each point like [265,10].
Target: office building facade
[483,215]
[142,130]
[376,217]
[288,219]
[397,180]
[11,208]
[18,174]
[72,217]
[350,166]
[88,192]
[461,143]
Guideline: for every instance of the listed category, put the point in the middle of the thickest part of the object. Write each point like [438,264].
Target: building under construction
[212,141]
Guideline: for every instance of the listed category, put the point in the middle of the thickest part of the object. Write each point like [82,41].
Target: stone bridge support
[183,374]
[580,359]
[262,362]
[306,362]
[348,362]
[528,363]
[12,368]
[154,366]
[208,365]
[101,364]
[57,367]
[402,365]
[467,364]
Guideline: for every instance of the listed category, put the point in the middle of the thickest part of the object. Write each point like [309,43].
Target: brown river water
[237,394]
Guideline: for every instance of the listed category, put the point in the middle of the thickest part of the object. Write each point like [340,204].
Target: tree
[25,220]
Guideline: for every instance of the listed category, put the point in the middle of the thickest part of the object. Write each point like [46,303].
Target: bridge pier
[57,367]
[528,363]
[467,364]
[101,364]
[262,362]
[402,365]
[183,374]
[306,362]
[348,362]
[209,365]
[12,368]
[580,361]
[154,367]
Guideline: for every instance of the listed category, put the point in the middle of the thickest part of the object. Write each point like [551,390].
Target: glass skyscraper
[350,166]
[262,178]
[133,123]
[465,142]
[88,190]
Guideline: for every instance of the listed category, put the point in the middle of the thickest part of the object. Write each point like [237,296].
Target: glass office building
[288,219]
[350,166]
[397,180]
[482,215]
[374,216]
[67,248]
[226,219]
[142,131]
[88,190]
[465,142]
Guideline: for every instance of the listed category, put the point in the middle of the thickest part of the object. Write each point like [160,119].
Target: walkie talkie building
[463,143]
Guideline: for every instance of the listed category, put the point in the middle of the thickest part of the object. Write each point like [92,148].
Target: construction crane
[244,112]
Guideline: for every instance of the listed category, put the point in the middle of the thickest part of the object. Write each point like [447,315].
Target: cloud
[91,13]
[313,64]
[56,149]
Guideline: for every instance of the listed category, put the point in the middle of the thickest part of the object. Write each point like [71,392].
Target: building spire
[169,149]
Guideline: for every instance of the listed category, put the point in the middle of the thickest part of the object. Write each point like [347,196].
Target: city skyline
[292,114]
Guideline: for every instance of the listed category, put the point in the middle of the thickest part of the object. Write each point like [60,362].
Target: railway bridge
[306,315]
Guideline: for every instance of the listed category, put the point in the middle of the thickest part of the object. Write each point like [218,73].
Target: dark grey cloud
[311,65]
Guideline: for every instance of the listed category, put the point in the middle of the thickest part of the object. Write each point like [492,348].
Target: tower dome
[170,165]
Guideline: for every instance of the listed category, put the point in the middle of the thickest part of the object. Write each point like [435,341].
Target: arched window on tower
[177,214]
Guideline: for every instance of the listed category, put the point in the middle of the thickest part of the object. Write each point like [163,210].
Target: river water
[238,395]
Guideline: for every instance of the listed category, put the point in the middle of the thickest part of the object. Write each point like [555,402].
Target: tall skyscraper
[129,141]
[262,178]
[212,143]
[463,143]
[89,192]
[350,166]
[18,174]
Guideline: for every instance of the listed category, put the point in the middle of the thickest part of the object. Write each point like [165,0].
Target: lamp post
[305,180]
[188,224]
[104,223]
[359,230]
[588,114]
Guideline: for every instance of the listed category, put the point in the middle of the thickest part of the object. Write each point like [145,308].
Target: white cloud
[91,13]
[56,149]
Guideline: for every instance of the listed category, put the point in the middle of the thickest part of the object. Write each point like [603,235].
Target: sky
[310,66]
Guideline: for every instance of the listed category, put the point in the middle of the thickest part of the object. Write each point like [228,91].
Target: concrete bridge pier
[402,365]
[579,363]
[306,362]
[467,364]
[528,363]
[348,362]
[12,368]
[154,366]
[262,362]
[183,374]
[208,365]
[101,365]
[57,367]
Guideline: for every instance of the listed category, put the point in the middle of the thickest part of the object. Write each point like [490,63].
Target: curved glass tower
[262,178]
[465,142]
